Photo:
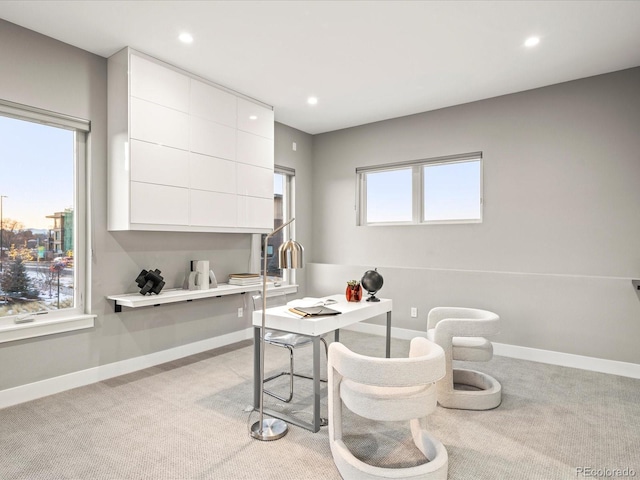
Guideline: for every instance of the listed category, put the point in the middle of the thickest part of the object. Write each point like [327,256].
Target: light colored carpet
[187,420]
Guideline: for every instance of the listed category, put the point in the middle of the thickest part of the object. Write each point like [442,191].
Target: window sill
[39,328]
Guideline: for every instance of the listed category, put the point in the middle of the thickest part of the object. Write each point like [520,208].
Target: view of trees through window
[37,236]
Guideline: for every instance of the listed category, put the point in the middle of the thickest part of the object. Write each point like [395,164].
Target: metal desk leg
[256,368]
[388,334]
[316,384]
[336,335]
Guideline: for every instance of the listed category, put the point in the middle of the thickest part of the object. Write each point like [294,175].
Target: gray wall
[45,73]
[553,256]
[559,242]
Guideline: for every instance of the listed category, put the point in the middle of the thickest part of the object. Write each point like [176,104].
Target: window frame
[417,186]
[78,317]
[288,274]
[289,232]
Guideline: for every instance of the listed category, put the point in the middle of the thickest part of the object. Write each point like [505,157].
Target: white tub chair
[461,334]
[387,389]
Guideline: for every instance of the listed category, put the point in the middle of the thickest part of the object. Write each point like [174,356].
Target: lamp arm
[280,228]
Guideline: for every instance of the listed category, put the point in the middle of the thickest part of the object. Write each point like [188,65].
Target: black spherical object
[372,282]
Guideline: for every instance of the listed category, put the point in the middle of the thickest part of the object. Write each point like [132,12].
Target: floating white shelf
[136,300]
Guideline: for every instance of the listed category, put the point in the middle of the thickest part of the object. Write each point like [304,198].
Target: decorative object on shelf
[213,283]
[372,282]
[354,291]
[201,269]
[290,255]
[199,277]
[150,281]
[245,279]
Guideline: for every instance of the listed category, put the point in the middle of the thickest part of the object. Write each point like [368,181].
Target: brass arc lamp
[290,255]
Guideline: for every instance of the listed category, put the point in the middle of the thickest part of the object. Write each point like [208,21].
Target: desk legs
[317,421]
[316,384]
[388,335]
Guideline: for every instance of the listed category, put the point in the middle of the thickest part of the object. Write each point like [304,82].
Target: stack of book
[245,279]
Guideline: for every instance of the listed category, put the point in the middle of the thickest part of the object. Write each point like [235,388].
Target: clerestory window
[437,190]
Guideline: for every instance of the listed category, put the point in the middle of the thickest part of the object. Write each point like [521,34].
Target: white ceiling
[365,60]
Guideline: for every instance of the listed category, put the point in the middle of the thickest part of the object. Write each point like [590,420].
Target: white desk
[279,318]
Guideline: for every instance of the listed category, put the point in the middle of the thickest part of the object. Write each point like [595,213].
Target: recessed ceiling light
[312,100]
[185,37]
[532,41]
[253,117]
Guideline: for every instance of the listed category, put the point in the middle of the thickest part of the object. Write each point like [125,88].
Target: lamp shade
[291,255]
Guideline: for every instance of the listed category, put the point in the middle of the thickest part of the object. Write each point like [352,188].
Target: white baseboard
[32,391]
[613,367]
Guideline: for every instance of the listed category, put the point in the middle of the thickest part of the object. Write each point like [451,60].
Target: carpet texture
[187,419]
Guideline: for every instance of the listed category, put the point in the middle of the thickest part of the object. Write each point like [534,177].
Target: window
[283,181]
[42,222]
[439,190]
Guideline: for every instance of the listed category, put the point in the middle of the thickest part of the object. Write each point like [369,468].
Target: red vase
[354,294]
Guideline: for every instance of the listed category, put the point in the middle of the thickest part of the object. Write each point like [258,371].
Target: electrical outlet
[294,146]
[414,312]
[240,312]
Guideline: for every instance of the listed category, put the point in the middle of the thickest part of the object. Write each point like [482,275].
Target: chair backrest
[386,390]
[424,365]
[463,322]
[273,300]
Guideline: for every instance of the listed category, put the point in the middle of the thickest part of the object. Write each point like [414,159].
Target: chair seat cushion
[294,340]
[471,349]
[388,403]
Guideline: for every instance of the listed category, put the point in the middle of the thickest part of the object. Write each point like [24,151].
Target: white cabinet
[212,174]
[158,124]
[158,84]
[254,118]
[154,163]
[184,153]
[159,204]
[213,104]
[212,138]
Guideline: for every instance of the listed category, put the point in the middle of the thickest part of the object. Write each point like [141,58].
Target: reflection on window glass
[280,200]
[452,191]
[389,196]
[37,234]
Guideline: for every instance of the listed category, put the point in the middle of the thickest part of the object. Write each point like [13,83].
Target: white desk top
[279,318]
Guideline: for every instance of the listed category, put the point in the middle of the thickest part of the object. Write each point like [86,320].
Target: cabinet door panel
[254,118]
[255,150]
[212,174]
[255,212]
[255,181]
[159,84]
[159,204]
[153,163]
[212,209]
[156,124]
[212,139]
[212,104]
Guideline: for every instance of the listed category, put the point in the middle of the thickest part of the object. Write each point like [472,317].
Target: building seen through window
[37,217]
[282,208]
